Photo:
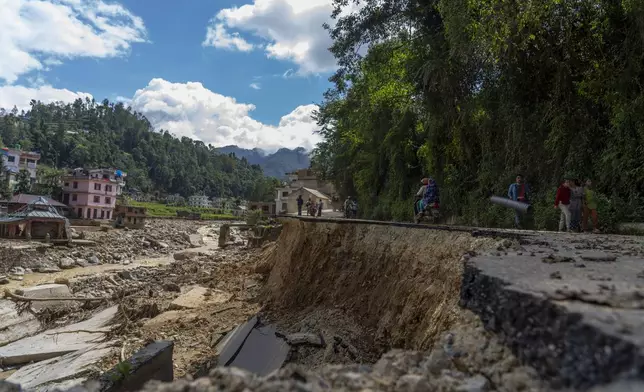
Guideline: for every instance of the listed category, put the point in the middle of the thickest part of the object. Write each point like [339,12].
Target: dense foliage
[90,134]
[474,92]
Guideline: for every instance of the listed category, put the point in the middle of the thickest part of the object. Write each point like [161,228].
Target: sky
[244,72]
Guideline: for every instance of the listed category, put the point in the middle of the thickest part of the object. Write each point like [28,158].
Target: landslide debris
[115,246]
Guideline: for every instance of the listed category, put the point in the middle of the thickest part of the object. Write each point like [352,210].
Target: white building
[199,201]
[15,160]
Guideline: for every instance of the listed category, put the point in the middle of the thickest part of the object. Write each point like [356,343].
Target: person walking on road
[308,206]
[576,204]
[519,191]
[590,207]
[320,205]
[300,202]
[562,202]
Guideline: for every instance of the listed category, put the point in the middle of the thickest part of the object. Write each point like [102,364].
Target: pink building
[91,194]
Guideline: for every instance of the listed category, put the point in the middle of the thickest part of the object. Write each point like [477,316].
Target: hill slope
[277,164]
[91,134]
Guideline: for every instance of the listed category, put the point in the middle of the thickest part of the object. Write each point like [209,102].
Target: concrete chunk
[48,291]
[74,365]
[200,296]
[14,326]
[59,341]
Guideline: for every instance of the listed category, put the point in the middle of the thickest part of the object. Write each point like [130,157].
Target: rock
[477,383]
[412,383]
[162,245]
[66,263]
[199,296]
[195,240]
[126,275]
[47,269]
[93,260]
[18,271]
[4,279]
[185,255]
[300,338]
[173,287]
[555,275]
[127,262]
[598,256]
[64,281]
[81,263]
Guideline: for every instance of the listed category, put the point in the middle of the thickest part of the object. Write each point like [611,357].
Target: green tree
[23,182]
[473,92]
[5,189]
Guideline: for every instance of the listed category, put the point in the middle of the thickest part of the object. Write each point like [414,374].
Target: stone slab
[60,341]
[76,365]
[14,326]
[51,290]
[570,305]
[200,296]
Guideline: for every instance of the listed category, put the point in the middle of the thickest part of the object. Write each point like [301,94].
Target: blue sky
[257,66]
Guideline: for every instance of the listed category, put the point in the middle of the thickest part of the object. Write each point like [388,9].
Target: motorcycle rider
[347,205]
[430,196]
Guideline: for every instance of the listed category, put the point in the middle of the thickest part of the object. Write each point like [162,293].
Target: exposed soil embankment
[402,283]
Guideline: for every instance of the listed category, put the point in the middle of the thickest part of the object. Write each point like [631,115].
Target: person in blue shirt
[519,191]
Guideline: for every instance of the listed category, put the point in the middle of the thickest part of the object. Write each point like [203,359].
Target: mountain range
[276,164]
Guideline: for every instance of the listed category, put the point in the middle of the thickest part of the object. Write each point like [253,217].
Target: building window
[102,214]
[95,213]
[22,161]
[97,187]
[74,197]
[89,213]
[97,199]
[129,209]
[75,184]
[108,188]
[284,194]
[108,214]
[135,221]
[11,159]
[108,200]
[80,213]
[67,184]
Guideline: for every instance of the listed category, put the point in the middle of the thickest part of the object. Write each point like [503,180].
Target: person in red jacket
[562,202]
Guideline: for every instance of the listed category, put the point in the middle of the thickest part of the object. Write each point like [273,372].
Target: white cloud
[255,86]
[218,37]
[291,29]
[190,109]
[39,33]
[20,96]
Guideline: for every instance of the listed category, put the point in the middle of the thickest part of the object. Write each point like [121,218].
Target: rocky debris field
[115,246]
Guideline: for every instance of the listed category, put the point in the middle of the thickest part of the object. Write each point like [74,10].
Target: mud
[400,283]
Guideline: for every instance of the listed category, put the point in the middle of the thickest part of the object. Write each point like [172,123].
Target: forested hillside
[474,92]
[91,134]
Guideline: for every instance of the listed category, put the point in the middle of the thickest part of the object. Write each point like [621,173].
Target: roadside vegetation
[475,92]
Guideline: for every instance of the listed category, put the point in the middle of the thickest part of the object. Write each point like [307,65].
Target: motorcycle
[312,210]
[431,213]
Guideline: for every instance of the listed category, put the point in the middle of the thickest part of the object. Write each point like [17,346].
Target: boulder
[66,263]
[93,260]
[195,240]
